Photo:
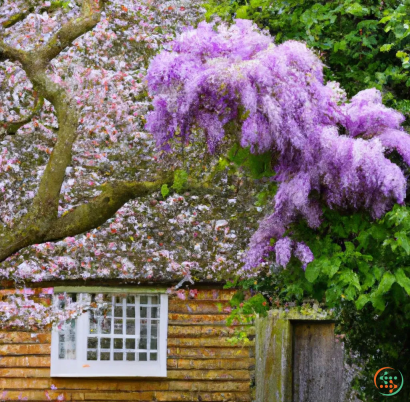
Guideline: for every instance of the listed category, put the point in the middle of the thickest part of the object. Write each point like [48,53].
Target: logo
[388,381]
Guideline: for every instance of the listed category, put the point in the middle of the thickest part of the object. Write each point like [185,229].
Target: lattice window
[127,333]
[128,330]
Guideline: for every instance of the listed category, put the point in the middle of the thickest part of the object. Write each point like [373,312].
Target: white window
[127,337]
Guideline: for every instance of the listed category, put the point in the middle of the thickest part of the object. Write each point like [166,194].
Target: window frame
[81,367]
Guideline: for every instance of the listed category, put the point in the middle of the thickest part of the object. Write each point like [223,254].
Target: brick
[190,319]
[24,372]
[24,349]
[212,294]
[24,337]
[205,331]
[212,364]
[111,384]
[205,353]
[25,361]
[116,396]
[207,342]
[198,306]
[25,383]
[205,397]
[209,386]
[39,396]
[227,375]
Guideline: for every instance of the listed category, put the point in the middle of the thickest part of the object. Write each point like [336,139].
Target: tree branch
[9,52]
[12,126]
[70,31]
[20,16]
[93,214]
[37,223]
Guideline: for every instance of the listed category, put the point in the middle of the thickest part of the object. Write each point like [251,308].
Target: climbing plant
[365,44]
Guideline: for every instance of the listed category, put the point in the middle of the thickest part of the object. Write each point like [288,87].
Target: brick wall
[202,364]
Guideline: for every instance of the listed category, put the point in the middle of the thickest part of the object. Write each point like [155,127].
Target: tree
[364,43]
[339,166]
[325,150]
[58,82]
[198,226]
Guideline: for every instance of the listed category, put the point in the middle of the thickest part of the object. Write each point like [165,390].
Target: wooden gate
[317,362]
[298,358]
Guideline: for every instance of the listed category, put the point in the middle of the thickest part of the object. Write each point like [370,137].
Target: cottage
[148,347]
[152,279]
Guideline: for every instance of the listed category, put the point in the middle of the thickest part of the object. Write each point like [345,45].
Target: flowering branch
[96,212]
[11,127]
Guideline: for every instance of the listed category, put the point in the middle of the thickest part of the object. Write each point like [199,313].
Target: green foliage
[180,179]
[256,166]
[361,267]
[164,190]
[362,270]
[59,4]
[246,308]
[365,43]
[356,259]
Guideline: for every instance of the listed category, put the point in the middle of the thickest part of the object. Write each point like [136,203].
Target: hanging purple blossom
[323,143]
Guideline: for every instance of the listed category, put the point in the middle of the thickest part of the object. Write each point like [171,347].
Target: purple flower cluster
[324,145]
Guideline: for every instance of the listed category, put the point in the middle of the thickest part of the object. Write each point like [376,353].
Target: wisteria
[327,150]
[149,239]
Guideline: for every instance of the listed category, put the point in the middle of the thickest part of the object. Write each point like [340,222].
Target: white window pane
[154,329]
[130,299]
[131,311]
[130,356]
[105,356]
[142,343]
[118,311]
[118,356]
[130,329]
[67,340]
[106,325]
[117,326]
[91,355]
[92,343]
[118,342]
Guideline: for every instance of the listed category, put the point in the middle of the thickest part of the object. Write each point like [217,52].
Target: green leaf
[350,278]
[180,179]
[335,265]
[378,302]
[349,247]
[401,55]
[350,292]
[368,282]
[361,301]
[403,280]
[164,190]
[313,270]
[357,10]
[386,283]
[403,241]
[242,12]
[386,47]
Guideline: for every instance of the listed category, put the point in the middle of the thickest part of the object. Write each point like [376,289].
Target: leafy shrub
[365,44]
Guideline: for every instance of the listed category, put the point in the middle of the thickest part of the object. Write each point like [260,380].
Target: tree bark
[41,223]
